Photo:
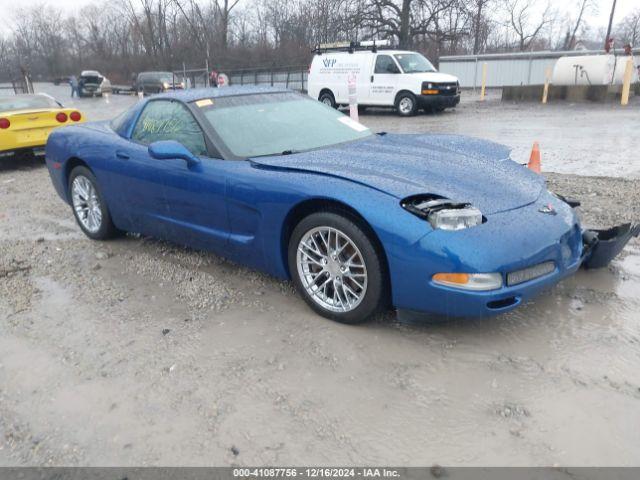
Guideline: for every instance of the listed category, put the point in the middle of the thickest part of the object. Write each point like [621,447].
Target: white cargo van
[383,77]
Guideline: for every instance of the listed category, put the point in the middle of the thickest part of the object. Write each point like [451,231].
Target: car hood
[435,77]
[459,168]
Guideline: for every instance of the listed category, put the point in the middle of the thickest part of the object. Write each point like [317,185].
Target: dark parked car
[157,82]
[61,80]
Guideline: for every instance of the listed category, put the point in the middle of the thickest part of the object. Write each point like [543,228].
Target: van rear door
[363,77]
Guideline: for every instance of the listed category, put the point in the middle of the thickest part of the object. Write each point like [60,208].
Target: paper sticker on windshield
[204,103]
[358,127]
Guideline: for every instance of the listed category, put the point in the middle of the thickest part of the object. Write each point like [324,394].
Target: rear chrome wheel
[86,203]
[89,207]
[336,266]
[328,99]
[332,269]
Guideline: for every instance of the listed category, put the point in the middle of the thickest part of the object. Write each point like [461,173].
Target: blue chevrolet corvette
[359,221]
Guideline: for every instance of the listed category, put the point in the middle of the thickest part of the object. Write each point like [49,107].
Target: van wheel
[406,104]
[328,99]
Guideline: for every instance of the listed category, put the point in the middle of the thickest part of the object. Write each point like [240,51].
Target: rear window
[156,76]
[27,102]
[122,121]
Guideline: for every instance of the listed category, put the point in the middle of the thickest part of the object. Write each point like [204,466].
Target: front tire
[89,206]
[406,104]
[336,267]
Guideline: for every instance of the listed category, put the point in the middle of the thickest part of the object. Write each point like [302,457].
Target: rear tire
[336,267]
[89,206]
[328,99]
[406,104]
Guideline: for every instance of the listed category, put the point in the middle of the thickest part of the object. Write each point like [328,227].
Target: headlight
[443,213]
[469,281]
[165,85]
[455,218]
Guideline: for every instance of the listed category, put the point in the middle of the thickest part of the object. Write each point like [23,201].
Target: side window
[169,120]
[385,64]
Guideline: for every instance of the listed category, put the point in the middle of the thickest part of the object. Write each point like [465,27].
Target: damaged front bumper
[538,252]
[602,246]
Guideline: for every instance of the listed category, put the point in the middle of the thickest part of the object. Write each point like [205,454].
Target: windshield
[27,102]
[277,123]
[414,63]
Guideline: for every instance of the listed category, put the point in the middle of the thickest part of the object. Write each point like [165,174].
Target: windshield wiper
[289,152]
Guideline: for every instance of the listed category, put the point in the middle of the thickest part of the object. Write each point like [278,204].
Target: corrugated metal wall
[507,69]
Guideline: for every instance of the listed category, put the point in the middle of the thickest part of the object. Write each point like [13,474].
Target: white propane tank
[591,70]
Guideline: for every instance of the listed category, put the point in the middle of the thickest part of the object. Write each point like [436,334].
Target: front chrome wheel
[406,105]
[332,269]
[86,203]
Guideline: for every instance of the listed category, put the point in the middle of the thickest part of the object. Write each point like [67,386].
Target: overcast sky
[7,7]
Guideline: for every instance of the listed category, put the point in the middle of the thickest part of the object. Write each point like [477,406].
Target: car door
[384,80]
[170,198]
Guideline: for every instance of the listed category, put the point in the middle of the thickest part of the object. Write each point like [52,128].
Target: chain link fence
[15,87]
[293,77]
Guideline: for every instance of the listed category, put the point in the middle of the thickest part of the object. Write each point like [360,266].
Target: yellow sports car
[27,120]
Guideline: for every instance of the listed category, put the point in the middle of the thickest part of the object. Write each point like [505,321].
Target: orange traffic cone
[534,161]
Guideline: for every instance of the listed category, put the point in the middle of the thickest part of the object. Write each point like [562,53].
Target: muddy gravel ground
[138,352]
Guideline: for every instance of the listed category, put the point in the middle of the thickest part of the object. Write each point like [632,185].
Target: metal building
[509,69]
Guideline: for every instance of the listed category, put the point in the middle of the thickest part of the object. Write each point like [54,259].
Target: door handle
[371,78]
[122,155]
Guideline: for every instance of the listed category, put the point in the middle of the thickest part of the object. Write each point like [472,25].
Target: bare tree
[629,29]
[224,9]
[522,22]
[123,37]
[584,6]
[402,19]
[5,58]
[479,10]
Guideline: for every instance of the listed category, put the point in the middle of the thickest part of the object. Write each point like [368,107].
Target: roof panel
[191,95]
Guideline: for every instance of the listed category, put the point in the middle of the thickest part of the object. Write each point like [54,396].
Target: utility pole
[606,40]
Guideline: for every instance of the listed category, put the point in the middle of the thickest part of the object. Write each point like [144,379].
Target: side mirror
[170,150]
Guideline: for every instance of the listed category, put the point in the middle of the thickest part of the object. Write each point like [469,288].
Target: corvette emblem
[548,209]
